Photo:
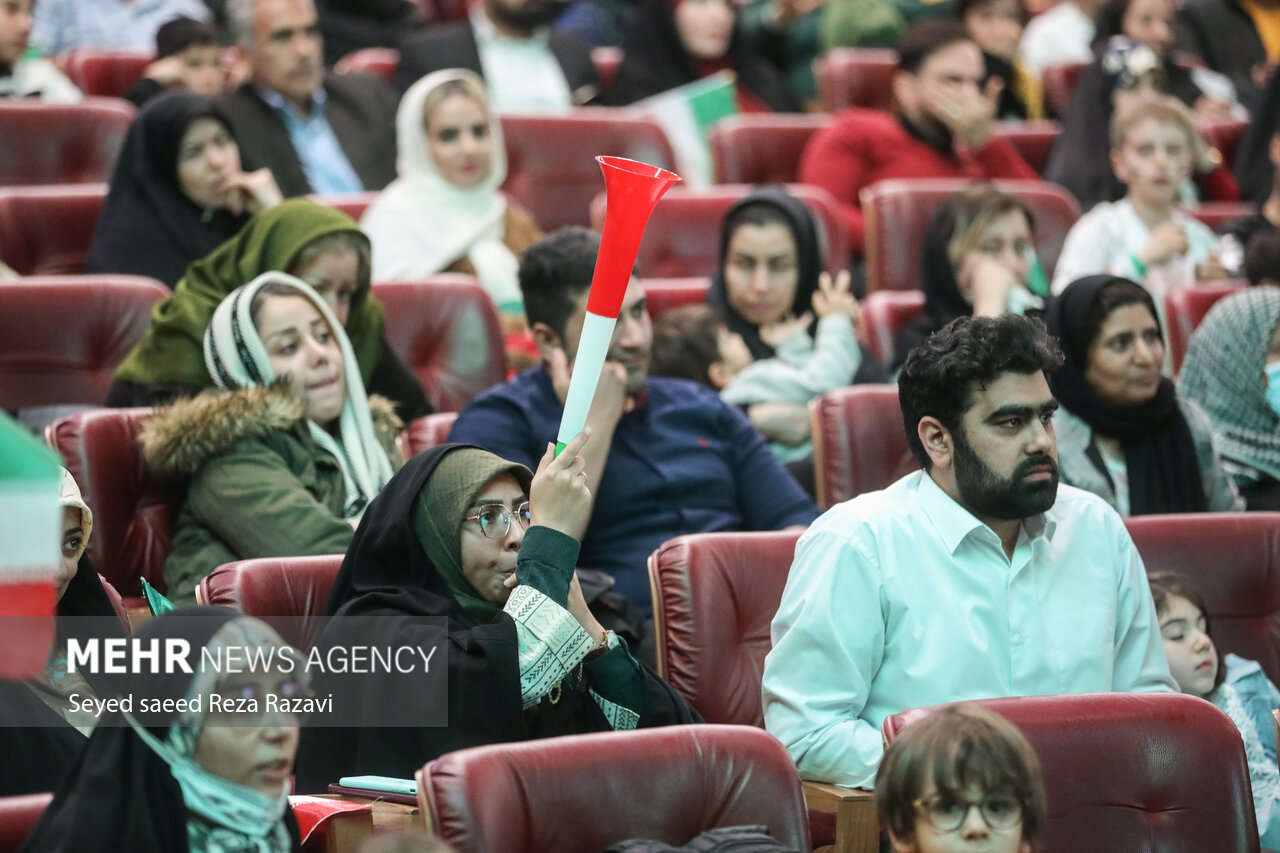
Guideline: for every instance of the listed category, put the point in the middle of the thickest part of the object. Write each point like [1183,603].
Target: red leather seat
[61,144]
[858,442]
[885,313]
[682,238]
[1185,307]
[1215,214]
[18,816]
[583,793]
[382,61]
[1033,139]
[446,329]
[898,212]
[551,166]
[1225,135]
[666,294]
[856,77]
[61,337]
[133,511]
[607,60]
[1129,771]
[47,230]
[1059,82]
[106,73]
[288,593]
[761,148]
[428,432]
[1234,560]
[352,204]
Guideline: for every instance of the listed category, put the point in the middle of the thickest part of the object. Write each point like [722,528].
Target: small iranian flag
[30,521]
[687,114]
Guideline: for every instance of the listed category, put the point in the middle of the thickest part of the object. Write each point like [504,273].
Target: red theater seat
[1129,771]
[1234,560]
[382,61]
[133,511]
[106,73]
[446,329]
[18,816]
[1033,139]
[427,432]
[583,793]
[898,212]
[1215,214]
[288,593]
[1059,82]
[667,294]
[607,61]
[61,337]
[1185,307]
[1225,135]
[682,238]
[885,313]
[352,204]
[762,148]
[61,144]
[47,230]
[858,442]
[856,77]
[551,166]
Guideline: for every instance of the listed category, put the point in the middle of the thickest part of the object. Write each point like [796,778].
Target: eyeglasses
[495,519]
[945,814]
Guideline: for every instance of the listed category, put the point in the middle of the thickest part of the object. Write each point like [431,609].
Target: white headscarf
[236,358]
[422,223]
[69,495]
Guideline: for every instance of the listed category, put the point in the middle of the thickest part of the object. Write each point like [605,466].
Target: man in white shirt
[978,576]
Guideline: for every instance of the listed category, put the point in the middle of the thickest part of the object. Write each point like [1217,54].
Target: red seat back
[1234,560]
[382,61]
[714,597]
[446,329]
[1215,214]
[1185,307]
[133,511]
[61,144]
[1033,139]
[288,593]
[61,337]
[427,432]
[1059,82]
[106,73]
[898,212]
[885,313]
[1224,134]
[18,816]
[47,230]
[667,294]
[762,148]
[551,166]
[858,442]
[352,204]
[666,784]
[607,60]
[856,77]
[1128,771]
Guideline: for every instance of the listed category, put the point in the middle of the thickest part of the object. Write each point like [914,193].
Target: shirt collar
[277,101]
[954,523]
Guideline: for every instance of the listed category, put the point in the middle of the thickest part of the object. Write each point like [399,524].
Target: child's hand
[778,331]
[1167,241]
[833,297]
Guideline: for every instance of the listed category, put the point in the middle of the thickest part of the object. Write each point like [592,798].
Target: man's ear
[546,338]
[901,846]
[1121,174]
[718,375]
[937,441]
[903,86]
[1273,149]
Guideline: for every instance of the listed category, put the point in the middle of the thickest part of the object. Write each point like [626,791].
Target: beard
[988,495]
[527,18]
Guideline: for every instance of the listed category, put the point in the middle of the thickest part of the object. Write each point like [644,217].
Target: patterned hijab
[1223,373]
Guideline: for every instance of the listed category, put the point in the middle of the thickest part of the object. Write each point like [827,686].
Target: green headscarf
[172,350]
[438,514]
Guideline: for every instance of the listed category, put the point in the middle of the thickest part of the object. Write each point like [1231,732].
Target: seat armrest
[857,830]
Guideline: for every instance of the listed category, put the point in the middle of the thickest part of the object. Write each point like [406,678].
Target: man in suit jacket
[316,132]
[526,66]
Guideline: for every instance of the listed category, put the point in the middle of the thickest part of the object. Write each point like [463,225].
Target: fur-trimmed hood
[183,435]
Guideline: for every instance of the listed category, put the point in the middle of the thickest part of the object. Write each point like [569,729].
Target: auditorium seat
[352,204]
[551,166]
[856,77]
[1216,214]
[682,238]
[18,816]
[1234,560]
[381,61]
[761,148]
[47,230]
[667,294]
[288,593]
[1033,139]
[884,314]
[1059,82]
[1185,307]
[858,442]
[584,793]
[61,338]
[61,144]
[427,432]
[106,73]
[1224,134]
[1130,771]
[607,60]
[446,329]
[133,510]
[897,213]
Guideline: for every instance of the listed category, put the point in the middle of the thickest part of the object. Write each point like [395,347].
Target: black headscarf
[1252,165]
[1159,450]
[121,795]
[655,60]
[943,301]
[147,226]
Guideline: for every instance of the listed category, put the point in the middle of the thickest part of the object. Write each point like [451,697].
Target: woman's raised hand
[559,497]
[251,192]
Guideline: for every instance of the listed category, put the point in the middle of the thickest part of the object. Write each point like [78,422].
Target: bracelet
[600,650]
[1138,265]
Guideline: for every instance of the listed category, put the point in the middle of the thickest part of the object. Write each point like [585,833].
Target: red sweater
[864,146]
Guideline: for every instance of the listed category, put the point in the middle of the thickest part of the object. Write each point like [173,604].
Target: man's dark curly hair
[555,272]
[940,375]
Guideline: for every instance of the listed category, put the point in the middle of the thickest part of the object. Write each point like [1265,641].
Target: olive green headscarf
[439,511]
[172,350]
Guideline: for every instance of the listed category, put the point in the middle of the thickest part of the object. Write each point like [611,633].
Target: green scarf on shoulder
[172,350]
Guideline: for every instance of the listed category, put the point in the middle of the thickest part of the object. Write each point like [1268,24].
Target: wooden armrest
[857,830]
[345,832]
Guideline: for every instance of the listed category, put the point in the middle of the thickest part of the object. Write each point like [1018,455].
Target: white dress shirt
[522,75]
[901,599]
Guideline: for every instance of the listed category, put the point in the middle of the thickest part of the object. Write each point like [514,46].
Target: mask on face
[1273,387]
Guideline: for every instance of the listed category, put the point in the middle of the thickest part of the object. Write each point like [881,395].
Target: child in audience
[23,75]
[961,778]
[188,59]
[1142,237]
[1237,686]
